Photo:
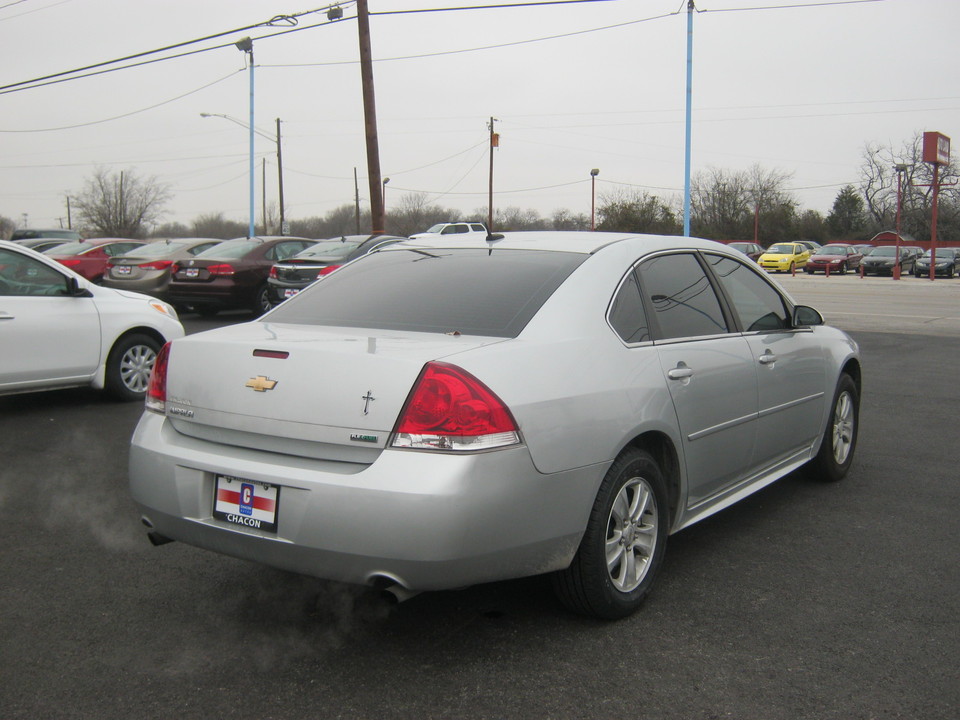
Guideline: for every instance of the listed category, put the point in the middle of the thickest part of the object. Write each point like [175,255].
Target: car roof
[586,243]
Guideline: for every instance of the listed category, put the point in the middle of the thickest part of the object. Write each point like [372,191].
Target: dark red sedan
[89,257]
[834,258]
[231,275]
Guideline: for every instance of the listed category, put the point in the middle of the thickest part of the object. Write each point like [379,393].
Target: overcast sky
[798,88]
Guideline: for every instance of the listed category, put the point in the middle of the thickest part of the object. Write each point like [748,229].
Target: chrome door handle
[768,358]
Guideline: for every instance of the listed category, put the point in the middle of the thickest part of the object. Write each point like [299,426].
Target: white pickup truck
[454,228]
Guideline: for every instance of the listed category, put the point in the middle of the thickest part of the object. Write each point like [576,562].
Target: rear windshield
[75,248]
[472,292]
[159,249]
[330,249]
[231,249]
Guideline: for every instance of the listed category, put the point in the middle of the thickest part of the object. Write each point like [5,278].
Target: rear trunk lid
[317,392]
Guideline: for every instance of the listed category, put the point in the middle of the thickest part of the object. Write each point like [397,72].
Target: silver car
[438,414]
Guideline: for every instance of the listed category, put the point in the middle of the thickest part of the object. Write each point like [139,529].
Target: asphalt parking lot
[804,602]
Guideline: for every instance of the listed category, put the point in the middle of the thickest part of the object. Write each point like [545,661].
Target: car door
[789,362]
[709,370]
[48,337]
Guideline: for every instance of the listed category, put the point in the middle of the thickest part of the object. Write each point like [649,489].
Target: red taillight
[449,409]
[156,398]
[156,265]
[326,270]
[110,265]
[175,268]
[220,269]
[70,262]
[273,272]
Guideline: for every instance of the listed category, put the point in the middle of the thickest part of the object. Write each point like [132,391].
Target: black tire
[843,269]
[261,301]
[128,366]
[631,514]
[839,442]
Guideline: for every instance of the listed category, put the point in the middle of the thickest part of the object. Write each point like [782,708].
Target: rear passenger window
[627,316]
[758,305]
[681,297]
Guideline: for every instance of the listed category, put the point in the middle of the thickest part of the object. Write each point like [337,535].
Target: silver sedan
[440,414]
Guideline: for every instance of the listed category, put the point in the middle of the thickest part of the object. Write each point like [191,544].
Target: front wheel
[624,543]
[843,269]
[129,365]
[840,438]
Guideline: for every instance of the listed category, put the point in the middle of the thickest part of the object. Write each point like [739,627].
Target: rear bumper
[427,521]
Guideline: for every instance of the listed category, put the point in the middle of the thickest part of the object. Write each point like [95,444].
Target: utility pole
[377,218]
[263,189]
[283,219]
[356,187]
[494,143]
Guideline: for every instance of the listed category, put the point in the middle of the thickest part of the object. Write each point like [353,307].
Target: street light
[271,138]
[384,195]
[593,196]
[901,169]
[246,45]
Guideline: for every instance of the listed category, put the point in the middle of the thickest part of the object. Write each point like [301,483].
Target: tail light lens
[70,262]
[273,272]
[110,265]
[156,399]
[326,270]
[449,409]
[157,265]
[175,268]
[220,269]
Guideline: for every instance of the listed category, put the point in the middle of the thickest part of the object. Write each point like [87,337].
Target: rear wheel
[840,438]
[261,300]
[624,543]
[129,365]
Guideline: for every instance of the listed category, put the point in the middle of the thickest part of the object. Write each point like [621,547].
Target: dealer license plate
[246,503]
[192,272]
[123,269]
[290,292]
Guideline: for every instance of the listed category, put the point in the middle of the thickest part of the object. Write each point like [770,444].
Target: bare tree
[7,226]
[637,212]
[121,204]
[878,184]
[214,225]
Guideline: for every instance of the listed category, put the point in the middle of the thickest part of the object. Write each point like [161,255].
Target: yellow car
[784,257]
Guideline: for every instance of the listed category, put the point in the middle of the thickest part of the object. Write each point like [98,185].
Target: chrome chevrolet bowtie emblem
[261,383]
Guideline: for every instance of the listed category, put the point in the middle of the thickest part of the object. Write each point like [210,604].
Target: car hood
[303,390]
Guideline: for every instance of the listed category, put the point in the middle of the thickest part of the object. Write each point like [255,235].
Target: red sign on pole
[936,148]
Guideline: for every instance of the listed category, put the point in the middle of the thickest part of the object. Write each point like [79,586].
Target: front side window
[758,305]
[682,298]
[22,276]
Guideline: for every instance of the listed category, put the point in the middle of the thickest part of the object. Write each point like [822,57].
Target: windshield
[230,249]
[885,252]
[781,249]
[832,250]
[465,291]
[437,228]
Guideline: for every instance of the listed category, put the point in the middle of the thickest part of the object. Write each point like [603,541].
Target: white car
[59,330]
[441,413]
[460,230]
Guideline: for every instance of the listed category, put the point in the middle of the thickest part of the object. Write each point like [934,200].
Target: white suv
[465,229]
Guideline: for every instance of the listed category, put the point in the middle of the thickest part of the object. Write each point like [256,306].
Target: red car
[89,257]
[835,257]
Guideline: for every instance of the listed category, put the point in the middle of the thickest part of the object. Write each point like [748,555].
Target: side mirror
[805,316]
[74,289]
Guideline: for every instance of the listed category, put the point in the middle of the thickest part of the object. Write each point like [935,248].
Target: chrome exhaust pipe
[397,593]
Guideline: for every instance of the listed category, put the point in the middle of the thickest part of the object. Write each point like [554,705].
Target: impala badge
[261,383]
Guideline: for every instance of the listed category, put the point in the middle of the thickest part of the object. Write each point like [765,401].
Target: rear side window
[681,297]
[472,292]
[627,316]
